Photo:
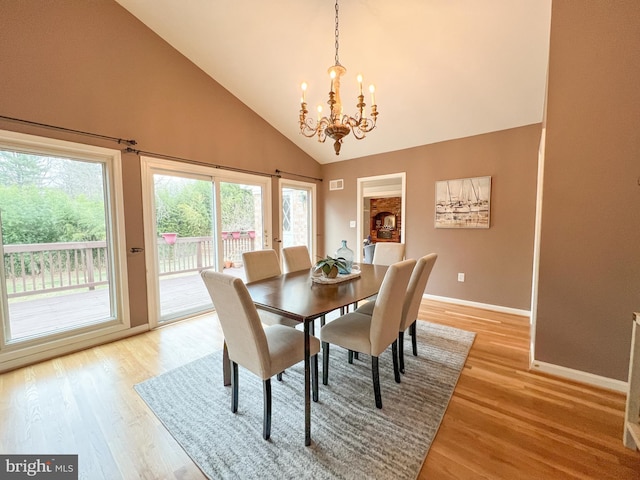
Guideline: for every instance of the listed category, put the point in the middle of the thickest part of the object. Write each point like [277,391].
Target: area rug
[351,439]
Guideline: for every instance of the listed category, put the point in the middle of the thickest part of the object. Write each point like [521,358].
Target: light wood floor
[503,422]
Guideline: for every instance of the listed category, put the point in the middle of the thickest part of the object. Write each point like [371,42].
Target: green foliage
[327,264]
[185,208]
[50,200]
[37,215]
[238,208]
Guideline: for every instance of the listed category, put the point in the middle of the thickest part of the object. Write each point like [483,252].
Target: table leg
[307,385]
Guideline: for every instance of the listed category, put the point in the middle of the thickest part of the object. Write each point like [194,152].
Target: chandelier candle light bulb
[338,124]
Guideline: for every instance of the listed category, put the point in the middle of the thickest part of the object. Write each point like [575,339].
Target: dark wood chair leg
[279,376]
[226,364]
[401,351]
[350,356]
[234,387]
[314,377]
[356,355]
[414,339]
[323,320]
[376,381]
[325,363]
[266,426]
[394,352]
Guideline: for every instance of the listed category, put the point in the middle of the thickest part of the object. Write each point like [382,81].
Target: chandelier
[338,125]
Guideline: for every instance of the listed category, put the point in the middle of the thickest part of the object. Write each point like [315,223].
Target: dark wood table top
[295,295]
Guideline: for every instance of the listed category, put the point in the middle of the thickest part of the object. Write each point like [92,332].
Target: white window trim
[314,209]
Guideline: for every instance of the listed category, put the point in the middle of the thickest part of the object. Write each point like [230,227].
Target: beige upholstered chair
[413,297]
[264,352]
[387,253]
[372,334]
[296,258]
[260,264]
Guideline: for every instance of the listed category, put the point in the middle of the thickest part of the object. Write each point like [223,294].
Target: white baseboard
[580,376]
[485,306]
[11,363]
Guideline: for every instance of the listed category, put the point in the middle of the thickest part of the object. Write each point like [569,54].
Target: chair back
[388,253]
[260,264]
[296,258]
[415,290]
[387,311]
[243,332]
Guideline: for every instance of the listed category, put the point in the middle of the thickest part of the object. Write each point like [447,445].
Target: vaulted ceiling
[443,69]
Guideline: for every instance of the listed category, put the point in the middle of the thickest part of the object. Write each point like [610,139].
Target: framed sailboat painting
[463,203]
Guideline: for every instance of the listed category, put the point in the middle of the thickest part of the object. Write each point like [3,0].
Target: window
[62,268]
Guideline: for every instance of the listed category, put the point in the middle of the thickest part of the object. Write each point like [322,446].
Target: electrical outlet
[461,277]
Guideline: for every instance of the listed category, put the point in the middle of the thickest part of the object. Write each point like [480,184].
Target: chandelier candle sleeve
[338,124]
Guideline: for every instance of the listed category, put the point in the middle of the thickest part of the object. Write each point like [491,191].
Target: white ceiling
[443,69]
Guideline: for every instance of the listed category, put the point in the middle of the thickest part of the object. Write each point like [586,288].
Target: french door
[195,220]
[298,214]
[62,263]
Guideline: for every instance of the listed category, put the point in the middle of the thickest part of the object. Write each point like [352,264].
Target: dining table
[298,296]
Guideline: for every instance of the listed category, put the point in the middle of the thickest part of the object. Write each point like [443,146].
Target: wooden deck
[29,316]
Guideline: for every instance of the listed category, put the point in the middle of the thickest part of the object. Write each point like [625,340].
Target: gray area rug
[350,437]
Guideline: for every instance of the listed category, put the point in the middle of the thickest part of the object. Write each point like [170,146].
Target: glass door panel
[58,267]
[184,243]
[242,222]
[297,214]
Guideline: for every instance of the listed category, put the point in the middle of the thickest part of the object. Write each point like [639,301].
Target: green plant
[330,265]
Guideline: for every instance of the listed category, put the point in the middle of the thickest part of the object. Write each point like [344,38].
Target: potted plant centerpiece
[330,266]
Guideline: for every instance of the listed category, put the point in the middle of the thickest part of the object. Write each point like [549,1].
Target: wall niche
[385,219]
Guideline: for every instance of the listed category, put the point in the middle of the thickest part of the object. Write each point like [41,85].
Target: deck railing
[32,269]
[48,267]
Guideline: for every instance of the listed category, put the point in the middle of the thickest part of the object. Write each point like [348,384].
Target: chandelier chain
[337,34]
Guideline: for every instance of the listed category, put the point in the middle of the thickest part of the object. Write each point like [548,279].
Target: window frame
[14,353]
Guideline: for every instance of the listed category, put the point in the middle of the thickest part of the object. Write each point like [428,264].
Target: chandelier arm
[308,129]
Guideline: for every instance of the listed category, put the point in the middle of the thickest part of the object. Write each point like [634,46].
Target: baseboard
[485,306]
[39,356]
[580,376]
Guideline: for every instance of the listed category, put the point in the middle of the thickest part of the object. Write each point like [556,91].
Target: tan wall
[590,246]
[497,261]
[92,66]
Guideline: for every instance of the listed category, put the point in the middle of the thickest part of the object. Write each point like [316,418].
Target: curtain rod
[298,175]
[69,130]
[196,162]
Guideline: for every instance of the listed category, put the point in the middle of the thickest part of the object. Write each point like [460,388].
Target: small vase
[346,253]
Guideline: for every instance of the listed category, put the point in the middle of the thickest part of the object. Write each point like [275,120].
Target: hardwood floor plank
[503,422]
